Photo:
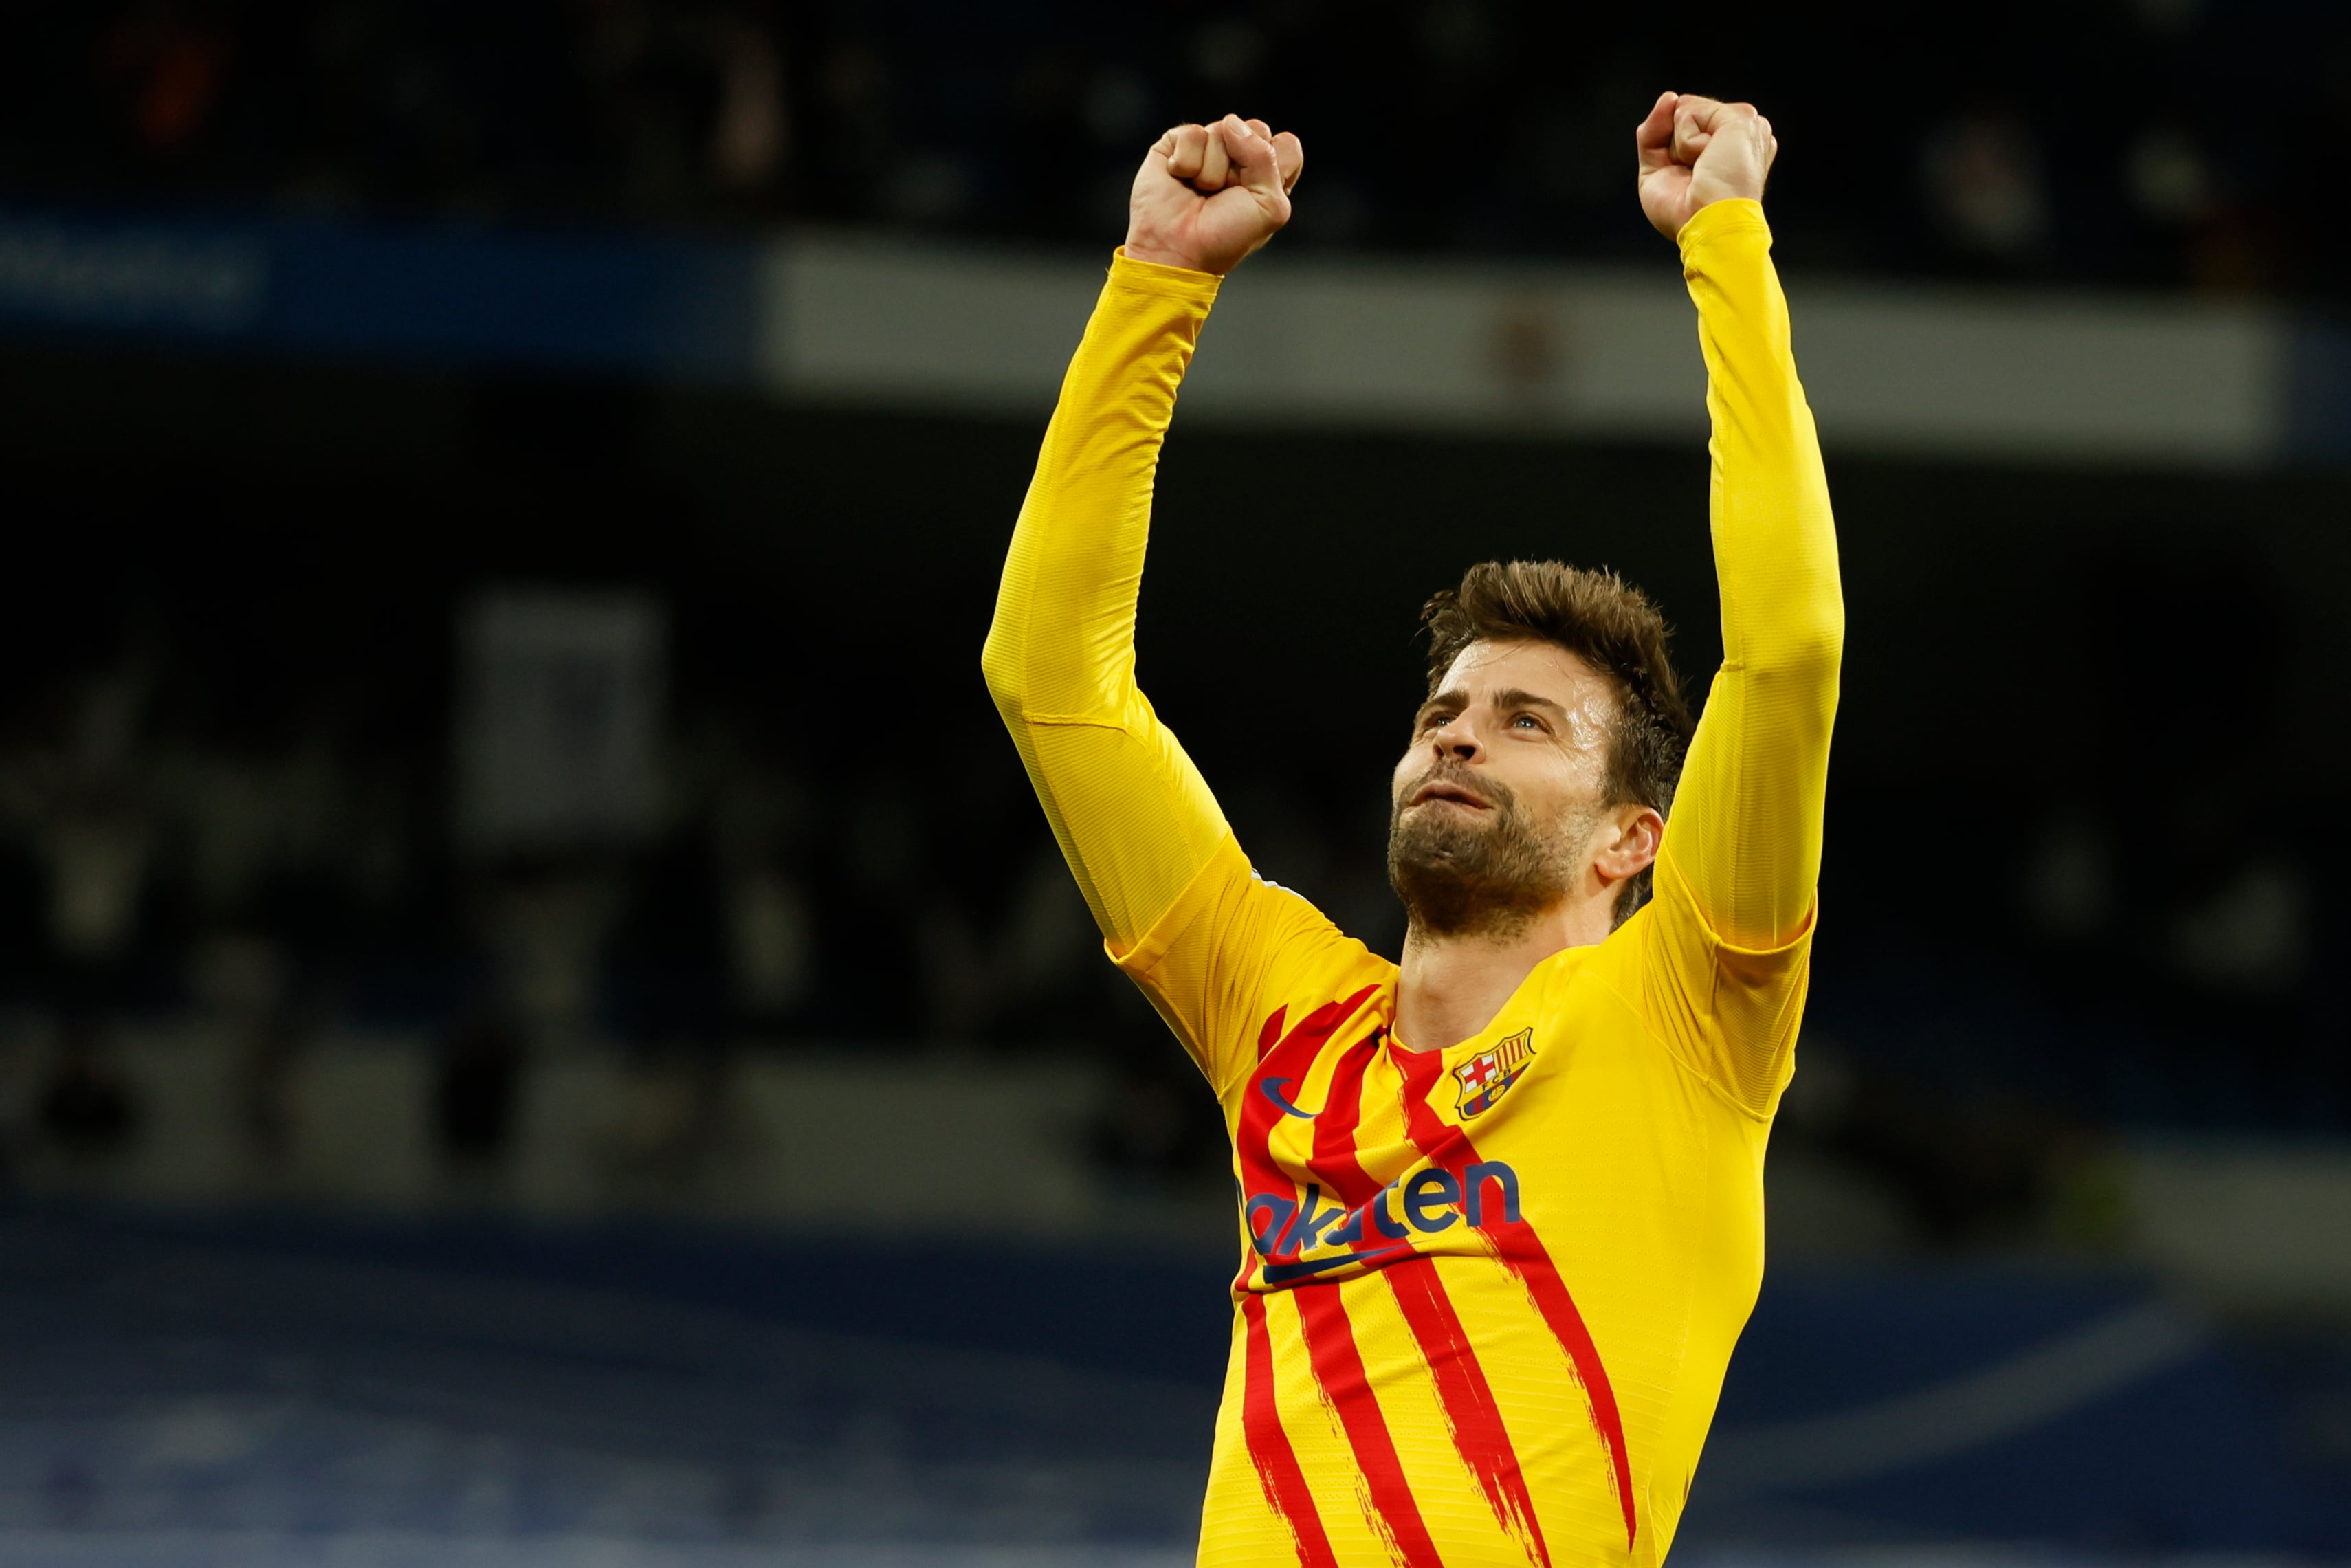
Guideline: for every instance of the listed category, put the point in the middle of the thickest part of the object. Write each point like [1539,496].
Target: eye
[1526,721]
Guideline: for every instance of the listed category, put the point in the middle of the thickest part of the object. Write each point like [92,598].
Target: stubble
[1466,873]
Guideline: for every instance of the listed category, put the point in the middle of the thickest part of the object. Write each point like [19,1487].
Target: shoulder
[1229,905]
[1724,1012]
[1238,955]
[1320,965]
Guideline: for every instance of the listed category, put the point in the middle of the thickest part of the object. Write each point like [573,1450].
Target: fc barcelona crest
[1486,1076]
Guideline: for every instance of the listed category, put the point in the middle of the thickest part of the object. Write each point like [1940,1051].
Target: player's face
[1501,787]
[1531,717]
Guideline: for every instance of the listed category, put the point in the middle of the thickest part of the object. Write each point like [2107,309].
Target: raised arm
[1132,814]
[1743,842]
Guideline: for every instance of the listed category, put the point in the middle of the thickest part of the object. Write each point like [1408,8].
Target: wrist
[1142,250]
[1164,260]
[1721,213]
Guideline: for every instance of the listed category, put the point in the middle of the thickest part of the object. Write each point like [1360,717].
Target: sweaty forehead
[1545,669]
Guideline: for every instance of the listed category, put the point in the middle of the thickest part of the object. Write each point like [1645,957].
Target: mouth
[1444,789]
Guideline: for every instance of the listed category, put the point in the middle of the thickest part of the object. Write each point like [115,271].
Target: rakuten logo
[1427,1201]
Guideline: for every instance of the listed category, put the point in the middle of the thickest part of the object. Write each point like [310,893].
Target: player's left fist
[1696,151]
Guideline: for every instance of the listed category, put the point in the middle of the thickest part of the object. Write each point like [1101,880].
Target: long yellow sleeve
[1133,817]
[1745,833]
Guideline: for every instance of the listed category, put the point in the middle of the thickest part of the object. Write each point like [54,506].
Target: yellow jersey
[1487,1293]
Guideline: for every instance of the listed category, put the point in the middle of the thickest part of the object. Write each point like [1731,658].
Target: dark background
[2135,143]
[2145,657]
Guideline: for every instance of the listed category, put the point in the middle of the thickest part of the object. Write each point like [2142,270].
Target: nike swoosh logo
[1274,1088]
[1276,1273]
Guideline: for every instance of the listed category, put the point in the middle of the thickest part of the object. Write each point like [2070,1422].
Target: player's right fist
[1696,151]
[1207,195]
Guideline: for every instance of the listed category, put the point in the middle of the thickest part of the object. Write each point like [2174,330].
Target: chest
[1564,1104]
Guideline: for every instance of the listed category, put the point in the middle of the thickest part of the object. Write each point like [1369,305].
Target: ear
[1627,842]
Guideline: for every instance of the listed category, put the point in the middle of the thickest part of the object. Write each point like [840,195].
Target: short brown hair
[1610,625]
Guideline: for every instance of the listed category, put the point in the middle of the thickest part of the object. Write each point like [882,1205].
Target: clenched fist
[1207,195]
[1695,151]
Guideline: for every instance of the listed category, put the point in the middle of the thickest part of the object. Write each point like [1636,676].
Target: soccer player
[1502,1205]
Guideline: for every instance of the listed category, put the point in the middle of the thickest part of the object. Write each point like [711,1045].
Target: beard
[1464,872]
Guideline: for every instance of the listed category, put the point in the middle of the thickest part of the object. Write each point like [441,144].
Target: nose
[1457,741]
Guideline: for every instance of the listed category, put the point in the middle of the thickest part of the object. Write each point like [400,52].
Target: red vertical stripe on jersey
[1471,1413]
[1467,1400]
[1339,1370]
[1523,1253]
[1286,1059]
[1270,1451]
[1316,1028]
[1334,1161]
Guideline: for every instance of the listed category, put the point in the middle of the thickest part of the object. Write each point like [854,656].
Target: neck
[1449,987]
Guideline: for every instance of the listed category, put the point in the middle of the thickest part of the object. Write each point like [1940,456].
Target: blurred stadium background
[497,799]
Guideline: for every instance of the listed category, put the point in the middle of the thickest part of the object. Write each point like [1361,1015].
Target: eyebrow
[1454,701]
[1443,702]
[1514,697]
